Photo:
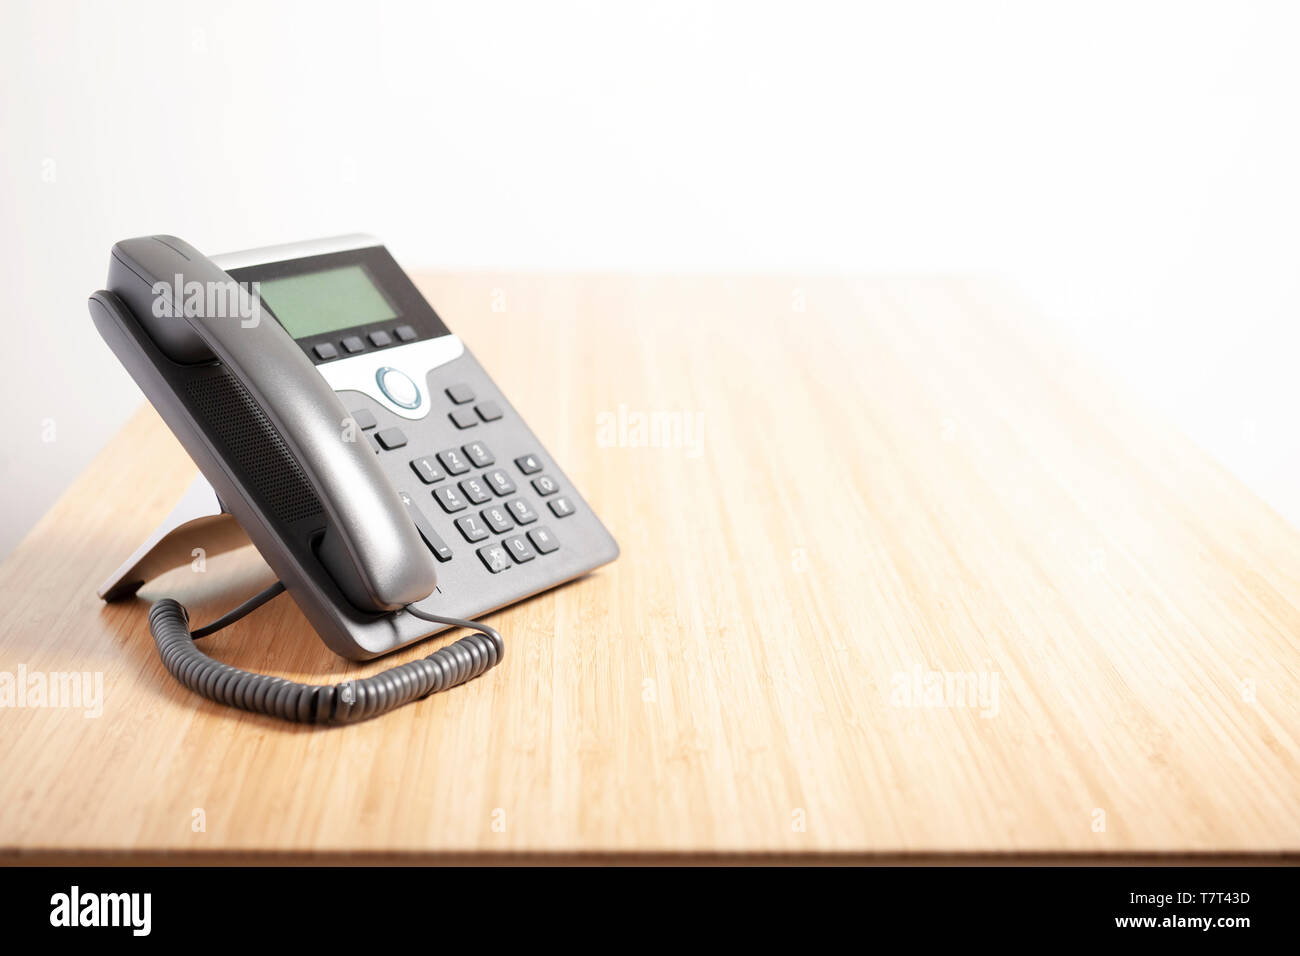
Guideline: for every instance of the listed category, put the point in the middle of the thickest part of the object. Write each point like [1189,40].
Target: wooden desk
[891,477]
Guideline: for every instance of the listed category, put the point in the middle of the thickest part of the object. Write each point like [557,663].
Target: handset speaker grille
[254,445]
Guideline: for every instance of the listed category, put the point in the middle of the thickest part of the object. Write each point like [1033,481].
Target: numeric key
[472,528]
[453,461]
[450,498]
[518,548]
[500,482]
[475,490]
[428,470]
[522,511]
[478,453]
[497,518]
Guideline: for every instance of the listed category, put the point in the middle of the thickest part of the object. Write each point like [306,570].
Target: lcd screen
[318,302]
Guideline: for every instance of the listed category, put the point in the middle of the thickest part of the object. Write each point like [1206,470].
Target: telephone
[372,461]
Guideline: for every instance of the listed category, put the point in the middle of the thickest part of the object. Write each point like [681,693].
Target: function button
[561,507]
[405,333]
[326,351]
[379,338]
[478,453]
[453,461]
[450,498]
[391,438]
[522,511]
[488,411]
[435,543]
[471,526]
[463,417]
[428,470]
[500,482]
[528,464]
[497,519]
[398,387]
[494,557]
[543,540]
[364,418]
[545,485]
[475,490]
[518,548]
[353,344]
[460,394]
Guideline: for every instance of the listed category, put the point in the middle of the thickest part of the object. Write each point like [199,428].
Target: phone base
[197,521]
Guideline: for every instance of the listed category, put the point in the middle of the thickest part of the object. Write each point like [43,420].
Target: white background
[1133,167]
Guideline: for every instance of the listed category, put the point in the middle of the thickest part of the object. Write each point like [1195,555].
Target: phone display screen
[314,303]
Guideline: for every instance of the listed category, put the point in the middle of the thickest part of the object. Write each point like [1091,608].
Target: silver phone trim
[294,250]
[360,372]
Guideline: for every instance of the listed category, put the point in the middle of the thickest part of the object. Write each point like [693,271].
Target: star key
[494,557]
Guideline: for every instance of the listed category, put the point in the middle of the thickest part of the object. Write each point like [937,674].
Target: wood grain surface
[904,577]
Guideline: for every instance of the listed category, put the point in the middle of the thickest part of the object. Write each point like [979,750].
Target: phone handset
[371,548]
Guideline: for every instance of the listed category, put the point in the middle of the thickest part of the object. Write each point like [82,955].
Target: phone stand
[197,521]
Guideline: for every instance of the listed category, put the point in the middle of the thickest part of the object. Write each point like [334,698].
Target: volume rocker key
[435,543]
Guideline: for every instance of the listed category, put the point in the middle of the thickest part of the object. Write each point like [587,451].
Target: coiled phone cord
[344,703]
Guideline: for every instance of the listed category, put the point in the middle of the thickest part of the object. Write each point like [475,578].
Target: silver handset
[371,548]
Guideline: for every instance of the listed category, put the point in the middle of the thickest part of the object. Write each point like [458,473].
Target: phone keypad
[514,519]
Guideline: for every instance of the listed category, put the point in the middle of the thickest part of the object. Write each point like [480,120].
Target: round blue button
[398,387]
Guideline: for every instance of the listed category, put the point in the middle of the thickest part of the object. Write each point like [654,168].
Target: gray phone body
[242,452]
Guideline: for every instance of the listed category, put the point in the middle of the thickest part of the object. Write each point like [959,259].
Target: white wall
[1133,166]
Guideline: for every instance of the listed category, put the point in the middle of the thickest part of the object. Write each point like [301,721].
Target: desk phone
[382,474]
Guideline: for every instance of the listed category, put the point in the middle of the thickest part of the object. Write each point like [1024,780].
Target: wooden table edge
[11,857]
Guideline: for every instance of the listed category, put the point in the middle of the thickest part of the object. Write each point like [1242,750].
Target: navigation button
[398,387]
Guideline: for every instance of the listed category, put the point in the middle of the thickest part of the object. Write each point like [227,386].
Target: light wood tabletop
[902,576]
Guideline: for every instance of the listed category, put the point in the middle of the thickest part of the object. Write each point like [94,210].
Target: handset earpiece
[195,312]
